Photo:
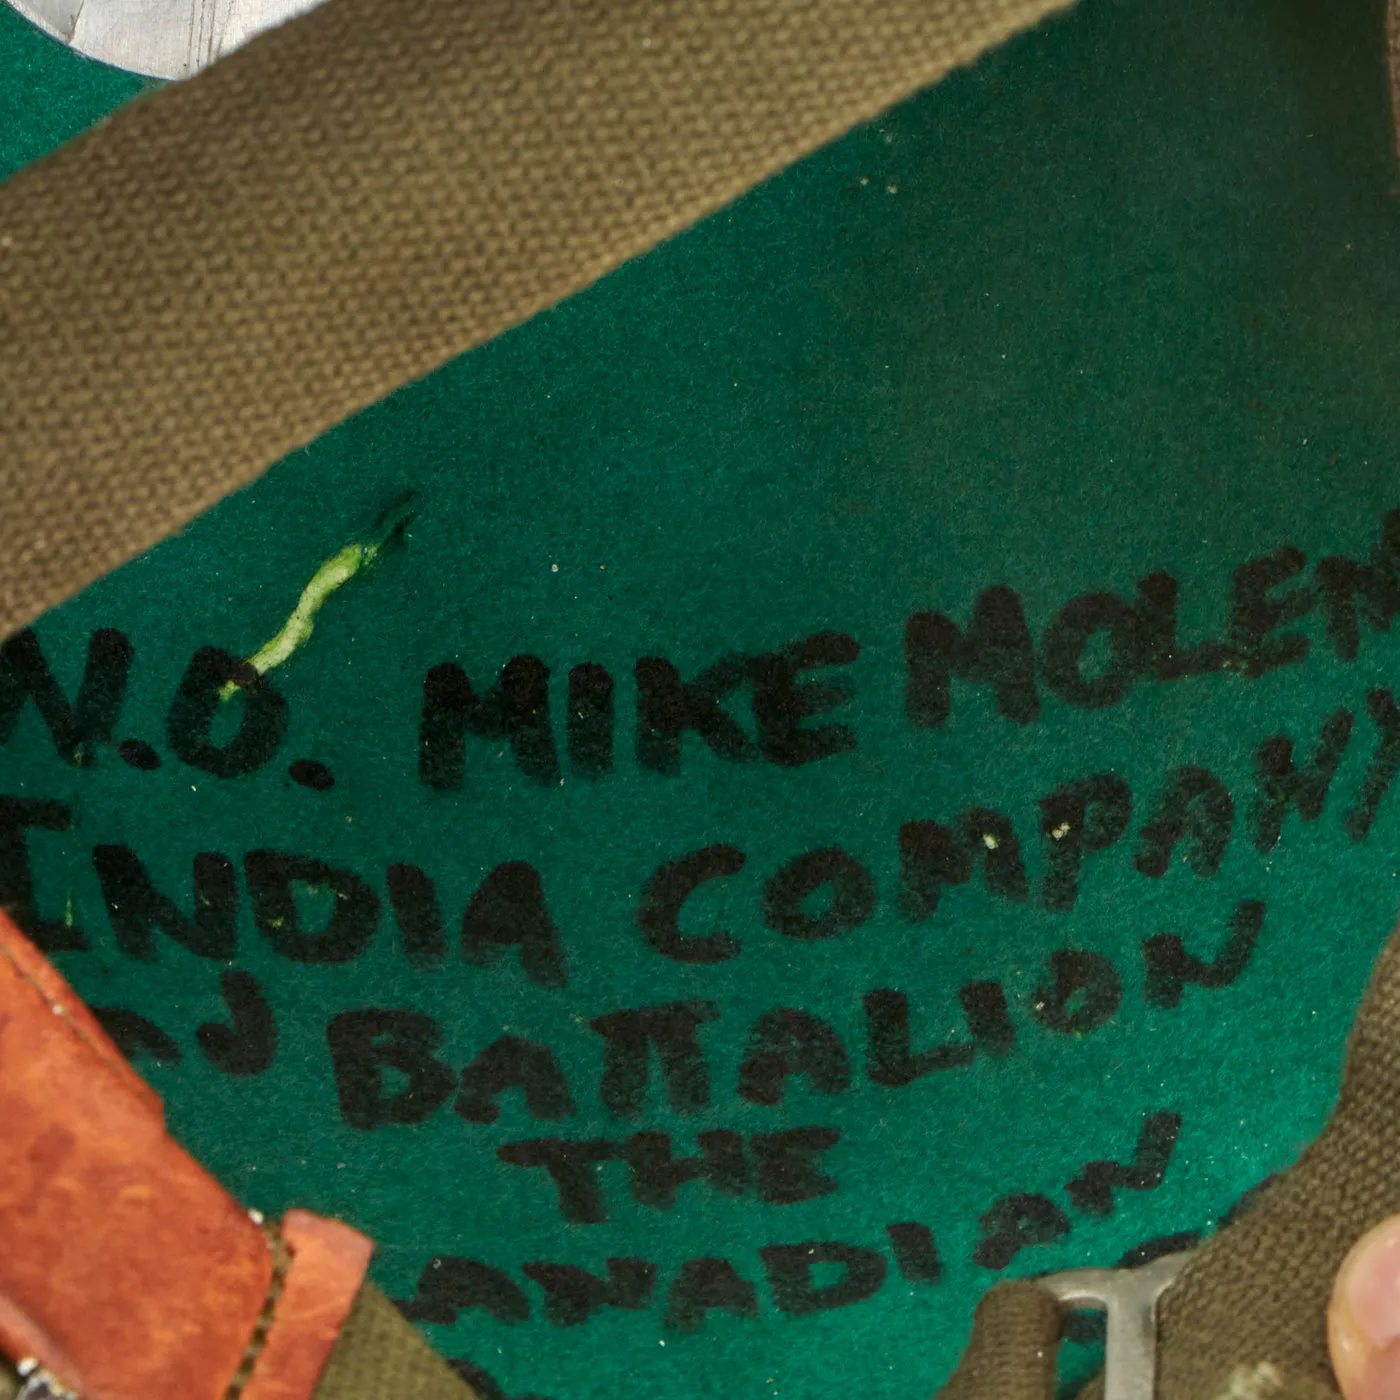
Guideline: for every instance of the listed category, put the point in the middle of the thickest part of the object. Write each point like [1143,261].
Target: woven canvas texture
[1259,1293]
[231,267]
[1249,1315]
[1102,327]
[379,1353]
[1011,1352]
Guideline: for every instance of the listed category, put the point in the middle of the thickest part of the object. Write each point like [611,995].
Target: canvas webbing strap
[1392,31]
[1247,1319]
[227,268]
[380,1355]
[1011,1352]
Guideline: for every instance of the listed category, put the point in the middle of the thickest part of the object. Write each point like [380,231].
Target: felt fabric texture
[1248,1315]
[1271,1273]
[1118,302]
[236,263]
[48,94]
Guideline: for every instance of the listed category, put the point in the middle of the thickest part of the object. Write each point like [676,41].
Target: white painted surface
[162,38]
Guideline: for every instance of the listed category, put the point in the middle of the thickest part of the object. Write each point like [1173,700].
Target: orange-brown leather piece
[125,1267]
[21,1337]
[36,968]
[328,1265]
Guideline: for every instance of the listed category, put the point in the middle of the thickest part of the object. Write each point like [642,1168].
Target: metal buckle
[1129,1297]
[40,1384]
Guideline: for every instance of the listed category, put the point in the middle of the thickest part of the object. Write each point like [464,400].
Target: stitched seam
[257,1339]
[280,1251]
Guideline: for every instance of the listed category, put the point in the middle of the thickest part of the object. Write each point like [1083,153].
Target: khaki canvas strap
[1011,1353]
[226,269]
[1247,1320]
[380,1354]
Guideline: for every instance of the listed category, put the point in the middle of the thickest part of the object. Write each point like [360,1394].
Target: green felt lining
[1119,300]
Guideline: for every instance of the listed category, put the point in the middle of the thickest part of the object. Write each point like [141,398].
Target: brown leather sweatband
[126,1270]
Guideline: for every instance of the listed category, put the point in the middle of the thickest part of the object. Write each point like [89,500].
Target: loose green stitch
[296,631]
[337,571]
